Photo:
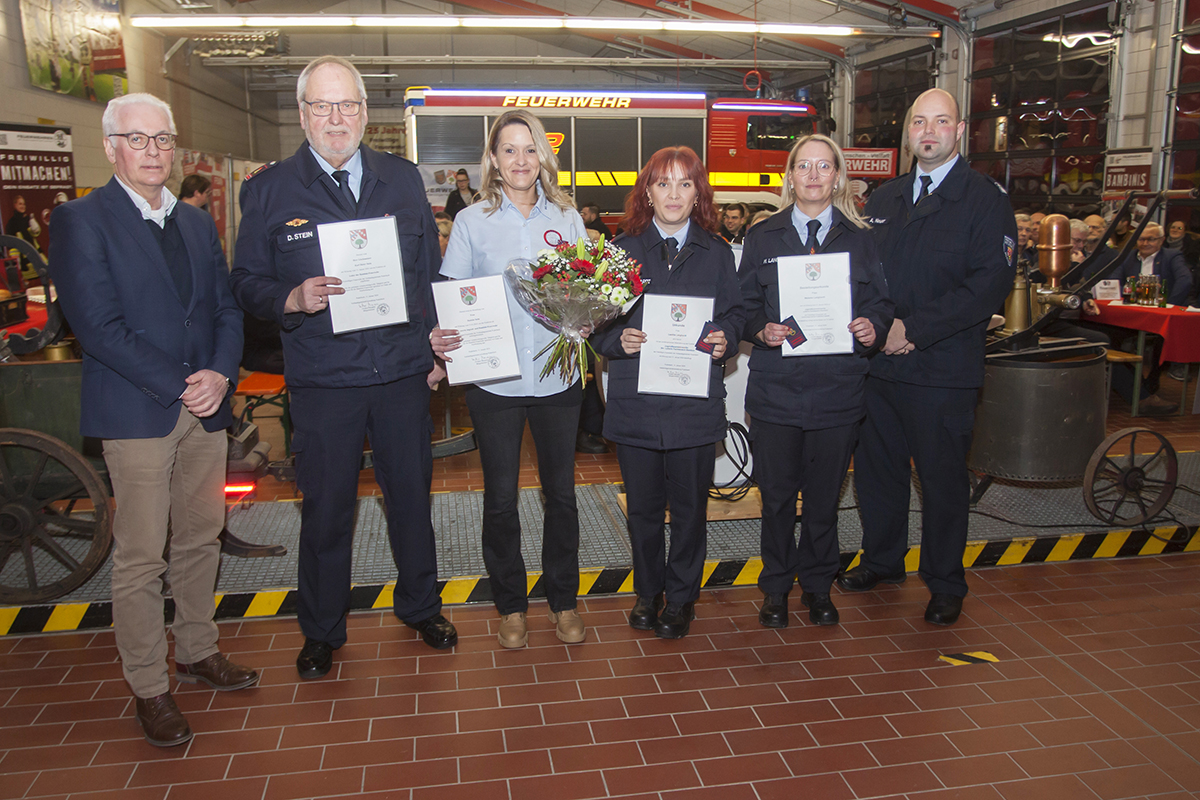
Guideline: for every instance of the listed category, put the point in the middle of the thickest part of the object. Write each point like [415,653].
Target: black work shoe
[864,579]
[675,621]
[315,659]
[645,613]
[820,608]
[437,631]
[774,611]
[590,443]
[943,609]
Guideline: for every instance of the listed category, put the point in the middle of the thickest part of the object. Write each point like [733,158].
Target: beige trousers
[179,477]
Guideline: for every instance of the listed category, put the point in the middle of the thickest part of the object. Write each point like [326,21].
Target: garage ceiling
[564,59]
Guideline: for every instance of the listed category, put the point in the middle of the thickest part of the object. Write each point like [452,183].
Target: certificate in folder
[365,255]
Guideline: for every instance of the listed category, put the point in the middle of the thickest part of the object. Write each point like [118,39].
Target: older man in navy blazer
[1152,258]
[143,282]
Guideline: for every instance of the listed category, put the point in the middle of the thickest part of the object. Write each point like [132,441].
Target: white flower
[606,289]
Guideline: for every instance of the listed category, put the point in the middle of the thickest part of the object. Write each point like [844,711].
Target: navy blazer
[811,392]
[278,249]
[949,264]
[1168,263]
[140,342]
[703,268]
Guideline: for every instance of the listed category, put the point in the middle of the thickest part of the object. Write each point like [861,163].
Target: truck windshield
[777,132]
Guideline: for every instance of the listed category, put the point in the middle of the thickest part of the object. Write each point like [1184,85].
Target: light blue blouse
[483,244]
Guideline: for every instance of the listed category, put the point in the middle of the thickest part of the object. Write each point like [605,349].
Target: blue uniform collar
[938,175]
[354,166]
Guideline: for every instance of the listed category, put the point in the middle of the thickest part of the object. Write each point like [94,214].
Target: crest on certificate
[358,238]
[812,271]
[679,311]
[468,295]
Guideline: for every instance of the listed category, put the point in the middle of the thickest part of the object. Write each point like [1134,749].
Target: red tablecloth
[37,319]
[1180,329]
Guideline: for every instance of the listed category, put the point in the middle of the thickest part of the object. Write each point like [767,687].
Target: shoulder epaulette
[264,167]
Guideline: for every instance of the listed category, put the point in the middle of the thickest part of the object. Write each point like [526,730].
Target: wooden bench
[267,389]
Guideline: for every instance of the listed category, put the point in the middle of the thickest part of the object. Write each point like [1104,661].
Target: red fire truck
[602,138]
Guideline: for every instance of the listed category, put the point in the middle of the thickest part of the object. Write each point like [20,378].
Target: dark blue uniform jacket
[703,268]
[278,249]
[140,340]
[811,392]
[949,266]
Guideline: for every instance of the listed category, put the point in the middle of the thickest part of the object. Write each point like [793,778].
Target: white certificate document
[815,291]
[670,362]
[478,309]
[365,254]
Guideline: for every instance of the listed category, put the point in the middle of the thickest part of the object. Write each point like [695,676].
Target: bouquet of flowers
[574,289]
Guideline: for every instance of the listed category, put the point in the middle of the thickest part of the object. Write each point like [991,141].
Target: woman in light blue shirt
[522,210]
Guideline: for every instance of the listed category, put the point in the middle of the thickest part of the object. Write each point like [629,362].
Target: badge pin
[296,223]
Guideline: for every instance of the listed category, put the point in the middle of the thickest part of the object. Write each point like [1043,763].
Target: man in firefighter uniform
[947,238]
[370,383]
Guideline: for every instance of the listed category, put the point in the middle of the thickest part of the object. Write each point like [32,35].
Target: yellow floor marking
[1065,547]
[1111,544]
[457,590]
[749,574]
[969,555]
[1155,545]
[265,604]
[709,568]
[531,578]
[7,617]
[627,584]
[386,596]
[912,559]
[65,617]
[1015,551]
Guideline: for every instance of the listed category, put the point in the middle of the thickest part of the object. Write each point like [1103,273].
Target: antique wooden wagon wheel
[1124,487]
[55,518]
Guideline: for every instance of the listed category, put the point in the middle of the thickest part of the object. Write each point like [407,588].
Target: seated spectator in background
[1079,236]
[439,216]
[1181,239]
[733,223]
[1027,243]
[590,212]
[758,217]
[1096,226]
[1122,232]
[444,227]
[196,190]
[1036,218]
[1150,259]
[462,196]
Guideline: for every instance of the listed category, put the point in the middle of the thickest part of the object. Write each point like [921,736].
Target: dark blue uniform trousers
[932,427]
[654,478]
[330,427]
[788,460]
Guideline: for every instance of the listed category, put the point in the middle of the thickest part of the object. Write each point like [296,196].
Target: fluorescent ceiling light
[401,21]
[585,23]
[511,22]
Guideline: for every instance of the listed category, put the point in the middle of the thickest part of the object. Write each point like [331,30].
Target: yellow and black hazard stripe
[962,659]
[619,580]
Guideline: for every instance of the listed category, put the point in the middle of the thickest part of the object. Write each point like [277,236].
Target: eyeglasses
[823,167]
[1148,239]
[323,108]
[140,141]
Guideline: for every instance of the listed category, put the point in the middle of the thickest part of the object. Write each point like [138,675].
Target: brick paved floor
[1096,694]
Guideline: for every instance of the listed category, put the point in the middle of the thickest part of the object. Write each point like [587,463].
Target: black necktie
[672,249]
[343,180]
[814,225]
[926,181]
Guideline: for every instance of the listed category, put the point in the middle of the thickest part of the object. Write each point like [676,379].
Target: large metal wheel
[55,518]
[1125,487]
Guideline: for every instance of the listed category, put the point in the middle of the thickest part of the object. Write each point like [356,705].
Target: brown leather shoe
[162,722]
[217,672]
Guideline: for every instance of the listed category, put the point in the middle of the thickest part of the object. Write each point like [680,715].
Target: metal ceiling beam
[298,62]
[696,10]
